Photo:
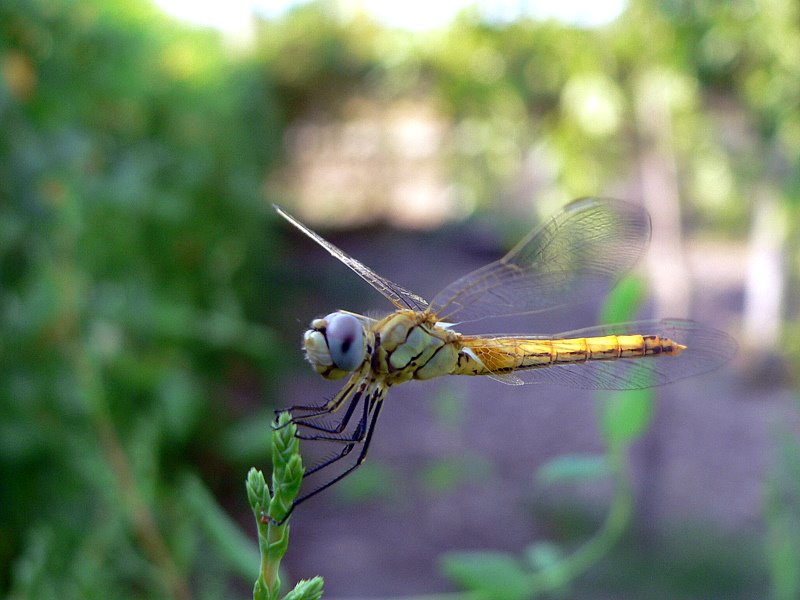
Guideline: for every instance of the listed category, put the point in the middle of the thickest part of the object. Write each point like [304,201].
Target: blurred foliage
[443,475]
[134,258]
[138,270]
[572,467]
[371,481]
[782,499]
[562,108]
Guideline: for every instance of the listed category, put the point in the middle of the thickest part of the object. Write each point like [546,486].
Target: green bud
[306,589]
[287,476]
[257,490]
[287,467]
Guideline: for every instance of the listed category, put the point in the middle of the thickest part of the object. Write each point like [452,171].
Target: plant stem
[271,508]
[271,562]
[616,523]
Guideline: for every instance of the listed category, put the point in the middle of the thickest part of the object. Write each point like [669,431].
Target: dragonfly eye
[345,340]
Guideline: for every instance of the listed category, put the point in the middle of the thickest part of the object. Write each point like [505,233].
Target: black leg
[356,438]
[341,426]
[330,406]
[376,403]
[361,458]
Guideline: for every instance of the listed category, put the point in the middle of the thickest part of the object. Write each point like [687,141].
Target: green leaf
[626,416]
[287,467]
[244,440]
[573,467]
[180,401]
[447,406]
[445,474]
[306,589]
[782,515]
[236,549]
[257,490]
[543,555]
[498,575]
[370,482]
[624,300]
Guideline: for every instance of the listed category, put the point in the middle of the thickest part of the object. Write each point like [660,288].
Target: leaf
[782,514]
[573,467]
[248,438]
[543,555]
[445,474]
[306,589]
[370,482]
[624,300]
[626,416]
[233,547]
[498,575]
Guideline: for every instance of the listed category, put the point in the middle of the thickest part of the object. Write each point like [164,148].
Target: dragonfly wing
[706,349]
[507,378]
[397,295]
[582,250]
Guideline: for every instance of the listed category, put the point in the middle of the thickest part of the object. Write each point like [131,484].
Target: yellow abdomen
[506,354]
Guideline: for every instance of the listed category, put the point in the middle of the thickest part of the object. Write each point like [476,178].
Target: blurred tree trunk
[764,282]
[666,264]
[658,173]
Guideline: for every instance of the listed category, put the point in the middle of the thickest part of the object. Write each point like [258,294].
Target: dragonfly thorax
[334,345]
[408,345]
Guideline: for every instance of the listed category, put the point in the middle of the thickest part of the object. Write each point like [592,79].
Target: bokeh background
[152,303]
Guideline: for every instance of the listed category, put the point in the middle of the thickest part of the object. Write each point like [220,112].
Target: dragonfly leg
[336,429]
[374,405]
[330,406]
[350,442]
[358,432]
[307,420]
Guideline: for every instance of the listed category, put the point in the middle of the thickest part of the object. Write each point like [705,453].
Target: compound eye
[345,340]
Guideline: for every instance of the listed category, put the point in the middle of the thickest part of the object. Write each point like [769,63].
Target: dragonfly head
[334,345]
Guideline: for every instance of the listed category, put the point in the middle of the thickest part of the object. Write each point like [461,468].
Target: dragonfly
[580,252]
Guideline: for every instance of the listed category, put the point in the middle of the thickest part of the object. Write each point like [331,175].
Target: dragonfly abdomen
[503,355]
[611,347]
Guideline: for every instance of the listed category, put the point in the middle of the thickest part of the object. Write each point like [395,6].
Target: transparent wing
[582,250]
[397,295]
[706,349]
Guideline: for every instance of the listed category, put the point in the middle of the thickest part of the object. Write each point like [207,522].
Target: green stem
[270,508]
[271,561]
[616,523]
[267,585]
